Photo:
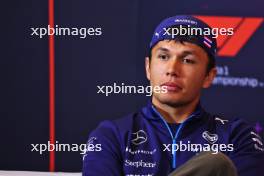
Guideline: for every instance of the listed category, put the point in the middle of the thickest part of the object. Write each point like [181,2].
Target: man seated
[173,134]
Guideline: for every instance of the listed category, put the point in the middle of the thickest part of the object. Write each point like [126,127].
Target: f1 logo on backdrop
[244,28]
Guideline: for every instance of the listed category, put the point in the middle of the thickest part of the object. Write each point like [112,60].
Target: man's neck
[175,114]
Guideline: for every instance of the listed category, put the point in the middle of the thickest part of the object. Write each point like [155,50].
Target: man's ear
[147,67]
[209,78]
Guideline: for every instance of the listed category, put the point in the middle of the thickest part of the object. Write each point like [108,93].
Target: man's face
[181,67]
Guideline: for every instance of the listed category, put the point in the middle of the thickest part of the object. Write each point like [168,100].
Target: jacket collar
[151,113]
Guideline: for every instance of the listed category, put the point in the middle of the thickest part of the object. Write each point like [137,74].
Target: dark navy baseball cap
[170,29]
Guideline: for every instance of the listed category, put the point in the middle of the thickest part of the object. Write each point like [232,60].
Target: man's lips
[172,86]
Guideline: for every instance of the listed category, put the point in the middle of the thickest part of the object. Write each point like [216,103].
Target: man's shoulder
[230,122]
[228,125]
[129,119]
[122,124]
[234,128]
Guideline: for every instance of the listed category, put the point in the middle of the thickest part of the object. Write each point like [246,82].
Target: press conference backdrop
[114,56]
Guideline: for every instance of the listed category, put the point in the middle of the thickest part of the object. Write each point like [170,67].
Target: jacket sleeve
[248,154]
[103,154]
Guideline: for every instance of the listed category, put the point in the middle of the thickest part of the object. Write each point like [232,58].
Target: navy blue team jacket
[143,144]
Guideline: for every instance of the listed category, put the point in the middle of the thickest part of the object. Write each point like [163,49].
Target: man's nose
[174,67]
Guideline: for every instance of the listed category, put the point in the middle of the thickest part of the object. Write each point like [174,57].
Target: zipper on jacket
[175,138]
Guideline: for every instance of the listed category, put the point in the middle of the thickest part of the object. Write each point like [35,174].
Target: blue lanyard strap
[174,138]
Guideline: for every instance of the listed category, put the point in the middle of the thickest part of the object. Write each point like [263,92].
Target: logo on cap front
[185,21]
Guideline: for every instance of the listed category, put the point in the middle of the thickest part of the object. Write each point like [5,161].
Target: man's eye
[163,56]
[188,61]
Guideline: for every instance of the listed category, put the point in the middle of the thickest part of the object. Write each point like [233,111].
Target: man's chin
[171,101]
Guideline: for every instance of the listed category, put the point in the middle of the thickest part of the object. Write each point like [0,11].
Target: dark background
[82,64]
